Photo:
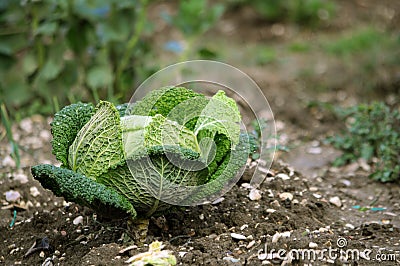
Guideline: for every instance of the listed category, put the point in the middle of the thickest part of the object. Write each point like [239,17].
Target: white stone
[34,191]
[312,245]
[21,177]
[251,244]
[317,196]
[286,195]
[78,220]
[350,226]
[336,201]
[8,162]
[12,196]
[276,237]
[283,176]
[254,194]
[238,236]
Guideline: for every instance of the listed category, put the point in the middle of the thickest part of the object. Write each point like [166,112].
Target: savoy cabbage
[174,147]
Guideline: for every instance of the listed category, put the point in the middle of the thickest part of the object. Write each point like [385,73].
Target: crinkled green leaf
[221,115]
[225,176]
[143,132]
[162,101]
[82,190]
[155,176]
[65,126]
[98,145]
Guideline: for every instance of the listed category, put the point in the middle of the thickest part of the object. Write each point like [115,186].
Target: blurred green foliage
[373,130]
[193,19]
[303,12]
[54,52]
[358,41]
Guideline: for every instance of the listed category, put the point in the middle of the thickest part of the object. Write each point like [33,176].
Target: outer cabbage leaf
[163,101]
[221,115]
[226,174]
[162,174]
[98,145]
[65,127]
[143,132]
[82,190]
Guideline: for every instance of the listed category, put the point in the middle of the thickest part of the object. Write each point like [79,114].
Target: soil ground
[297,209]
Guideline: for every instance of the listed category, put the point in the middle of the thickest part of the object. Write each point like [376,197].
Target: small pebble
[283,176]
[41,254]
[231,259]
[323,230]
[12,196]
[78,220]
[34,191]
[336,201]
[63,233]
[182,253]
[246,185]
[346,182]
[254,194]
[286,195]
[251,244]
[350,226]
[21,177]
[312,245]
[201,216]
[317,196]
[57,252]
[313,189]
[270,210]
[8,161]
[275,203]
[276,237]
[238,236]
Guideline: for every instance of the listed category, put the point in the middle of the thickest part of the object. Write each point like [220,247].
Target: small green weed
[373,131]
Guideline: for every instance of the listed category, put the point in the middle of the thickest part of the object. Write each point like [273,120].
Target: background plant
[193,19]
[305,12]
[373,131]
[55,52]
